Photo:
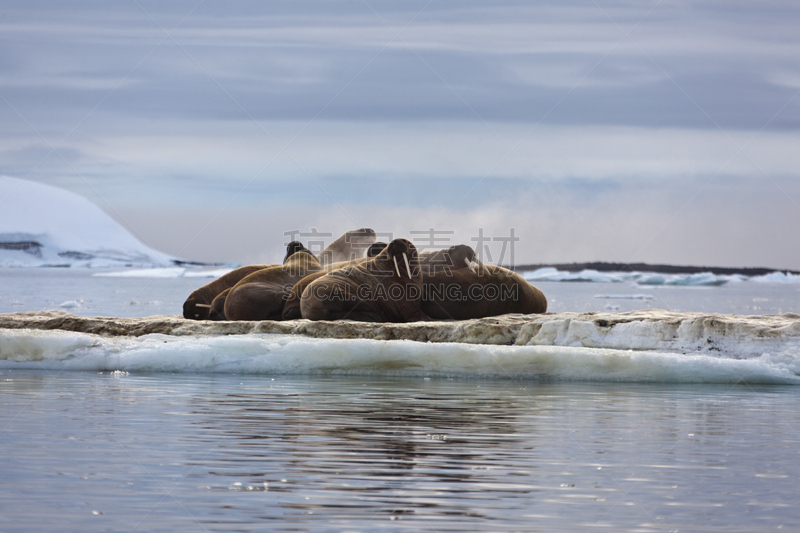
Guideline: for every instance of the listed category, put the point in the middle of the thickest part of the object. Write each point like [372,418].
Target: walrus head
[453,258]
[293,248]
[349,246]
[375,249]
[402,257]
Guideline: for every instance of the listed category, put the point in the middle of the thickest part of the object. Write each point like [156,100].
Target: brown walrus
[350,245]
[198,304]
[217,310]
[447,260]
[375,290]
[490,290]
[291,309]
[262,294]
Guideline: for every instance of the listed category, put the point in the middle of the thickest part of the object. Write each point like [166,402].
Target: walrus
[489,290]
[261,295]
[350,245]
[375,290]
[199,302]
[455,257]
[446,260]
[291,309]
[217,309]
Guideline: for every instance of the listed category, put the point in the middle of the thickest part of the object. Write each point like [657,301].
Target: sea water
[144,292]
[137,449]
[195,452]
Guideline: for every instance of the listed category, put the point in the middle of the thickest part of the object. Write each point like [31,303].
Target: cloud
[690,221]
[565,119]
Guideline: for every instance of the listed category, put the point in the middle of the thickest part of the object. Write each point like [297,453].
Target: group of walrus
[357,278]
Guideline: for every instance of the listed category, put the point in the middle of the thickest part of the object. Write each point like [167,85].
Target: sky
[537,132]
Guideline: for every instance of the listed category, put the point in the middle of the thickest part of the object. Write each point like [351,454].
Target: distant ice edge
[703,279]
[639,279]
[651,346]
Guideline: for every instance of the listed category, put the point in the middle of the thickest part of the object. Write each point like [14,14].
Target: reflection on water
[87,452]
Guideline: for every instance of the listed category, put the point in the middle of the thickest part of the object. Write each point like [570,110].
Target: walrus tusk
[207,306]
[397,268]
[470,265]
[408,268]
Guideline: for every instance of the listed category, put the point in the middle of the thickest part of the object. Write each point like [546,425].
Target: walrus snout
[402,248]
[190,310]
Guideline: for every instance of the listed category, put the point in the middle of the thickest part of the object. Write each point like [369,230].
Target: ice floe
[640,346]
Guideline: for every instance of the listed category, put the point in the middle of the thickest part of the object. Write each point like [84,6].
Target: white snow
[42,225]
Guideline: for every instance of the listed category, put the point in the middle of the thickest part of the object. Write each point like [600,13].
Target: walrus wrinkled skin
[197,305]
[291,309]
[351,245]
[262,294]
[386,288]
[462,294]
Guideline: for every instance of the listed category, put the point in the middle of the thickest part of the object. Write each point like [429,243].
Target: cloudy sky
[657,131]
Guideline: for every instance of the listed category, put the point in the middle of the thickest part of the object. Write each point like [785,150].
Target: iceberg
[551,274]
[777,277]
[42,225]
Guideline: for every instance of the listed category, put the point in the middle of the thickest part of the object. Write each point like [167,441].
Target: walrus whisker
[207,306]
[397,268]
[408,268]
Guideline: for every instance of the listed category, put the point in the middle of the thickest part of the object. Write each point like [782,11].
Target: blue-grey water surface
[84,451]
[81,292]
[115,452]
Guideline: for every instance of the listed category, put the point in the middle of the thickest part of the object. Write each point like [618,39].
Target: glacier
[42,225]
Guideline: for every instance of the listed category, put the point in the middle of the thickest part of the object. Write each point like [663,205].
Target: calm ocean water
[89,451]
[81,292]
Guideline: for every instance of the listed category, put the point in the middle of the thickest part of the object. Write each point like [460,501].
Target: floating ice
[703,279]
[551,274]
[213,273]
[640,346]
[284,354]
[777,277]
[624,296]
[165,272]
